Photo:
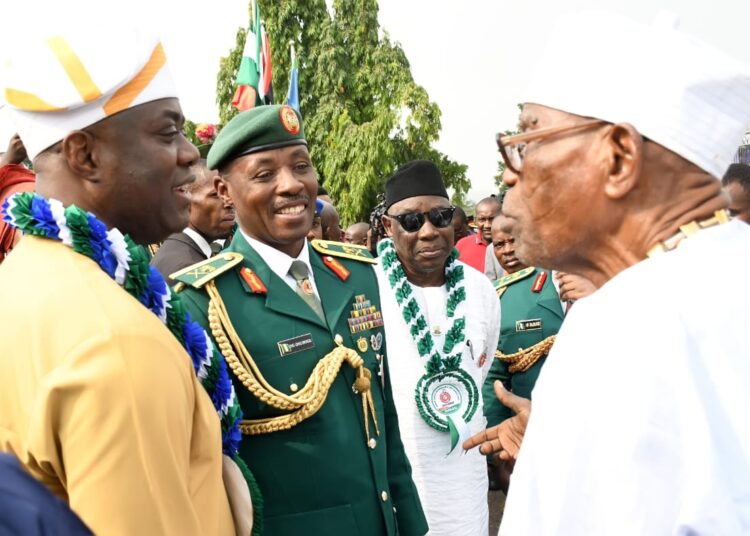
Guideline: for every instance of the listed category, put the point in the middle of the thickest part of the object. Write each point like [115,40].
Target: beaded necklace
[419,328]
[446,396]
[126,263]
[686,231]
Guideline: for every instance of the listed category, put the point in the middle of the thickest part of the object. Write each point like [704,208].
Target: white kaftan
[453,489]
[640,417]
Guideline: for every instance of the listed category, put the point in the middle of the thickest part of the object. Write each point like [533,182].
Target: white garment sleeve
[486,299]
[493,333]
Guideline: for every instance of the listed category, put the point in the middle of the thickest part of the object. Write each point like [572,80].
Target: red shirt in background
[13,179]
[472,251]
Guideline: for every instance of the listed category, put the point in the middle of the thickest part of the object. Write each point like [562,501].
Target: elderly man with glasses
[443,319]
[639,421]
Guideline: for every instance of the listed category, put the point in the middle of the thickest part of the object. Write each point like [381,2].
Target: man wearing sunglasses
[443,320]
[639,421]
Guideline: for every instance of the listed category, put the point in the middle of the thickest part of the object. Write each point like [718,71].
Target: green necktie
[298,270]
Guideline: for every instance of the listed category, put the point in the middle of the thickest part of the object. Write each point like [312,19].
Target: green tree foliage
[189,129]
[364,114]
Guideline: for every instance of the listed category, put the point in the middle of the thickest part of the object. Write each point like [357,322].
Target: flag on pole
[292,96]
[246,95]
[265,88]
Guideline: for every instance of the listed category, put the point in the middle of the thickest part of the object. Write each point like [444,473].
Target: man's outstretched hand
[504,440]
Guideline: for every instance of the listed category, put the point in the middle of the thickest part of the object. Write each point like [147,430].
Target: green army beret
[259,129]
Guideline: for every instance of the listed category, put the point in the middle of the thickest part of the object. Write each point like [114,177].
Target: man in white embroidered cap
[100,397]
[639,422]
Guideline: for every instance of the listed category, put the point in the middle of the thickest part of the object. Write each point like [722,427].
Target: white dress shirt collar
[201,242]
[279,262]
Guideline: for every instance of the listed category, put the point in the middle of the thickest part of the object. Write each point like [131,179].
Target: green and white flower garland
[443,371]
[126,262]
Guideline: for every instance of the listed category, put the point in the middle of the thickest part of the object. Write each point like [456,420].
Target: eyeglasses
[512,147]
[413,221]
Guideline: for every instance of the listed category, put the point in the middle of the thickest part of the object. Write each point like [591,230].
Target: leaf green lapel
[335,294]
[280,297]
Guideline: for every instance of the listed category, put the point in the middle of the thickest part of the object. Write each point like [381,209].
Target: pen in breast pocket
[471,349]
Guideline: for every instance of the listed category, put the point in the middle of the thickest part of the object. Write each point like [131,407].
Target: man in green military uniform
[322,435]
[531,315]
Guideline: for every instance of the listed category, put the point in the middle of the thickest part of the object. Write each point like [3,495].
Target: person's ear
[387,225]
[625,145]
[222,189]
[82,154]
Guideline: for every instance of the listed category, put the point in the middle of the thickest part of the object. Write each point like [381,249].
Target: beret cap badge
[289,120]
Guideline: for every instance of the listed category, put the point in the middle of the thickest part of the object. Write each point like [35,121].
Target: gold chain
[303,404]
[523,360]
[688,230]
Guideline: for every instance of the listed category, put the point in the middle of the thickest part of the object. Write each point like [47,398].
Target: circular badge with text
[447,394]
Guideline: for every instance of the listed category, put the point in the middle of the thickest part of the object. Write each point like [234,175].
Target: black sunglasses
[413,221]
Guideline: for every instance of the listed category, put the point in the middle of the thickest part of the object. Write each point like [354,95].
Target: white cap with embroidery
[676,90]
[68,79]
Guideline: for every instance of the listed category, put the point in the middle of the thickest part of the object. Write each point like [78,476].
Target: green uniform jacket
[319,477]
[520,306]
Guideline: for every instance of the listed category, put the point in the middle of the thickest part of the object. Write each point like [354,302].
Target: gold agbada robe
[100,402]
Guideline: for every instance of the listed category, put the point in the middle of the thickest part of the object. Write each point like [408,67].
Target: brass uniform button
[384,496]
[294,387]
[372,443]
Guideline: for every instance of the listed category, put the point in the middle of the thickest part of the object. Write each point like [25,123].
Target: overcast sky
[472,56]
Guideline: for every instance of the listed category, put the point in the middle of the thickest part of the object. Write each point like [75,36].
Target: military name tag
[295,344]
[534,324]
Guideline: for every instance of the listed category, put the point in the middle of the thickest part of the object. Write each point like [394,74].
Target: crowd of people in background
[199,346]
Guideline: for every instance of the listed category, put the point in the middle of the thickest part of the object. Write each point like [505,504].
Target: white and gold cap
[68,79]
[676,90]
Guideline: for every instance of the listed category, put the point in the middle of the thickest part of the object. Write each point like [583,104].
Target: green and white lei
[443,373]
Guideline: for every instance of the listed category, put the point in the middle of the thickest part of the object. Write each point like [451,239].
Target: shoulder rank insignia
[202,272]
[336,267]
[253,281]
[539,282]
[346,251]
[505,281]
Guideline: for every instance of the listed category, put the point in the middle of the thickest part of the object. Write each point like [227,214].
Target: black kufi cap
[419,177]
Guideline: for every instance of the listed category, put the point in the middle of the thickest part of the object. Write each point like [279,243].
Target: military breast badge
[364,315]
[376,341]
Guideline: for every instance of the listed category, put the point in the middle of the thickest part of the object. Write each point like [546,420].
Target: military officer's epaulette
[202,272]
[505,281]
[346,251]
